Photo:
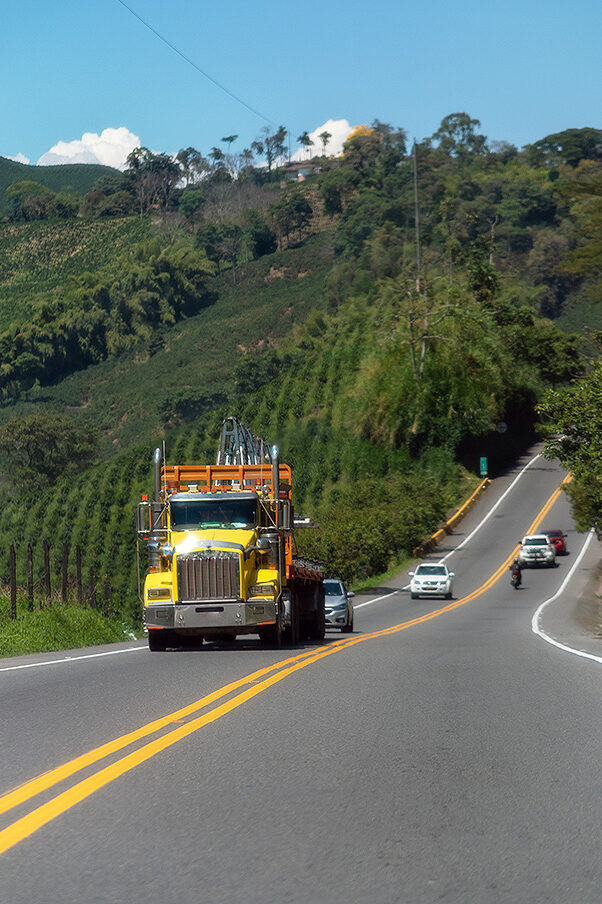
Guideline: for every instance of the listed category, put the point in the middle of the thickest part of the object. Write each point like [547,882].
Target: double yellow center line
[247,687]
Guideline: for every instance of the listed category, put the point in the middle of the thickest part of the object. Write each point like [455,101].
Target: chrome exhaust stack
[274,455]
[156,512]
[157,470]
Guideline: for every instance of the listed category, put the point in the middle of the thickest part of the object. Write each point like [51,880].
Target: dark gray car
[338,605]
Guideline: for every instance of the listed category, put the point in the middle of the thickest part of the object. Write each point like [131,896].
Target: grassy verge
[57,627]
[378,579]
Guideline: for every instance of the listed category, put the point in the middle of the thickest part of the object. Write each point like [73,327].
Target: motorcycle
[516,578]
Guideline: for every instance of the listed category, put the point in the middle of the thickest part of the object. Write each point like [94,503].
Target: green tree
[153,176]
[457,136]
[292,212]
[190,203]
[305,142]
[260,239]
[30,201]
[324,138]
[230,245]
[336,187]
[271,145]
[571,419]
[38,449]
[570,147]
[189,160]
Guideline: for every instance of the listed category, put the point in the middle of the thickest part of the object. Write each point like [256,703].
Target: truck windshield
[200,514]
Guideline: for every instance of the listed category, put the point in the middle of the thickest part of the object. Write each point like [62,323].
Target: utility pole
[416,218]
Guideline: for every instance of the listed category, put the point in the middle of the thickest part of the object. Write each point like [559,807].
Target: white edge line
[378,598]
[492,509]
[537,614]
[35,665]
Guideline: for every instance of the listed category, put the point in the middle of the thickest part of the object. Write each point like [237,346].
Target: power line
[194,65]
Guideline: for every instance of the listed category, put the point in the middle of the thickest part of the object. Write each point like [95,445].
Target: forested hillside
[70,178]
[387,321]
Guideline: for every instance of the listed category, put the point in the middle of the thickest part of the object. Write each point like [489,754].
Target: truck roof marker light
[144,497]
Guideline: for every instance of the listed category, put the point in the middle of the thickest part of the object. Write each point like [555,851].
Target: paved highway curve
[443,752]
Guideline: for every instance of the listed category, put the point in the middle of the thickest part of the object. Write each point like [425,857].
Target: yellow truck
[220,550]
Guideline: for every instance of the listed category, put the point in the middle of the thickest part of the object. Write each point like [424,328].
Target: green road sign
[483,467]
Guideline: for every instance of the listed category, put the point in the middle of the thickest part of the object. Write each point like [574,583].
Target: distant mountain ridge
[79,176]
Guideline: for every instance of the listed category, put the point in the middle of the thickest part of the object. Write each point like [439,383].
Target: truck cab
[220,557]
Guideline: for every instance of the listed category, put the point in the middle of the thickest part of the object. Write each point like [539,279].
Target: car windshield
[536,541]
[202,514]
[431,569]
[333,588]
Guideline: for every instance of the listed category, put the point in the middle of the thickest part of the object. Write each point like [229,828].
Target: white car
[536,549]
[431,580]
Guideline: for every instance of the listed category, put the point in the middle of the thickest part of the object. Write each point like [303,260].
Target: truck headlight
[159,593]
[261,590]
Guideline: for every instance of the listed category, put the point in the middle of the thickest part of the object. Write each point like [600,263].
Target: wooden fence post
[30,576]
[13,582]
[92,588]
[47,570]
[65,566]
[78,575]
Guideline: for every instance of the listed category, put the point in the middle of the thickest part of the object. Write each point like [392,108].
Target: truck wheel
[290,634]
[317,630]
[157,640]
[271,636]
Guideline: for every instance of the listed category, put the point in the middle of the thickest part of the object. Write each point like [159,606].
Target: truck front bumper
[215,616]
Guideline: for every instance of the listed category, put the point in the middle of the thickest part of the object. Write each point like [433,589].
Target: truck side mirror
[262,545]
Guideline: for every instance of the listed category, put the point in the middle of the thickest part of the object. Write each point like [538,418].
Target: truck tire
[291,634]
[271,636]
[318,626]
[157,640]
[317,630]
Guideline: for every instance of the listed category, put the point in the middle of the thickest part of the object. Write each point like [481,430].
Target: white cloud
[339,130]
[18,158]
[110,148]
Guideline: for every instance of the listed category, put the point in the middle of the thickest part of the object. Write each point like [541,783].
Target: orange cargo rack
[225,478]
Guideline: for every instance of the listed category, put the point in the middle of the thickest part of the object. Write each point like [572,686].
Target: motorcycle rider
[516,572]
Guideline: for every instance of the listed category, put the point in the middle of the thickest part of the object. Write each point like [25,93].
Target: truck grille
[208,576]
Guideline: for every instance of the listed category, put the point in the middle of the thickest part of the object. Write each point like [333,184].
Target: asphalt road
[431,756]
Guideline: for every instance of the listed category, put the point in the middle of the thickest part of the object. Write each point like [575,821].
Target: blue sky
[525,69]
